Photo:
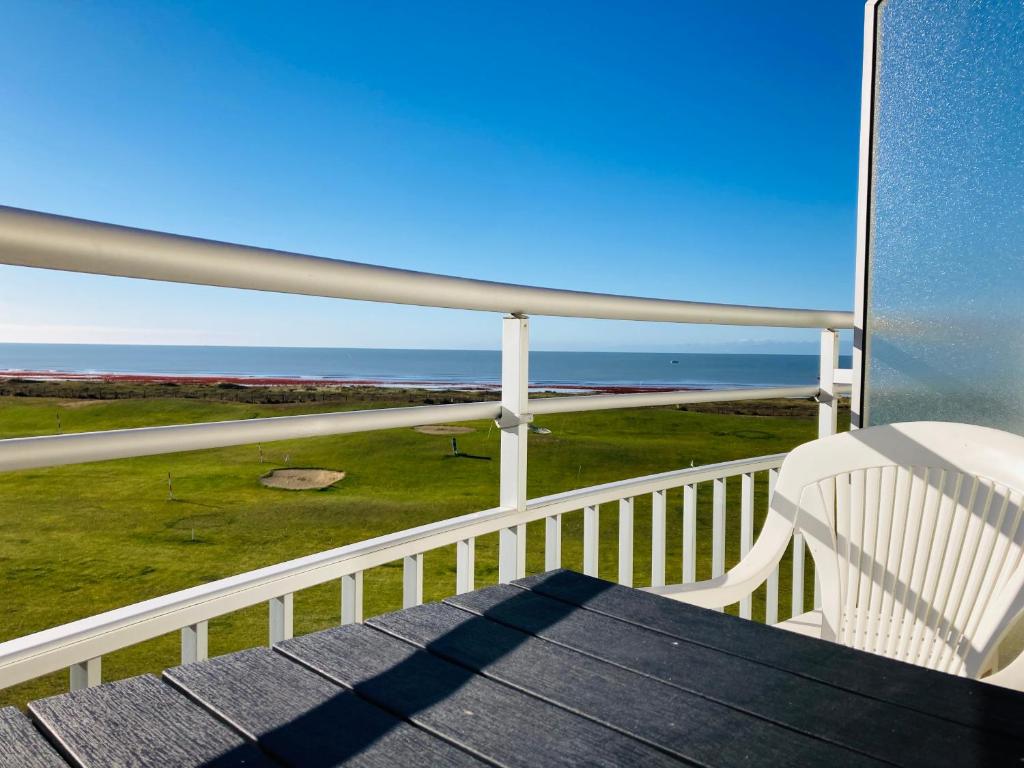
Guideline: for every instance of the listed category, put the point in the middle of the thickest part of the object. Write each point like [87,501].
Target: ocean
[417,366]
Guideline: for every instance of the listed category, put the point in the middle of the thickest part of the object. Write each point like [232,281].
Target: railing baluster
[689,533]
[591,534]
[412,580]
[658,504]
[552,542]
[281,618]
[746,531]
[465,565]
[798,574]
[195,644]
[626,542]
[771,605]
[352,598]
[85,674]
[718,528]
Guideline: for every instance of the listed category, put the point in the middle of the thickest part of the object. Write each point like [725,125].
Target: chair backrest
[917,536]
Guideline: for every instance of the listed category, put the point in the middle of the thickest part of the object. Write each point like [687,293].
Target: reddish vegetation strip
[254,381]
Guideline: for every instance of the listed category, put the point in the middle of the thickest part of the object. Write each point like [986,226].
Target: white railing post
[515,351]
[465,565]
[412,580]
[591,534]
[746,531]
[771,600]
[281,618]
[85,674]
[828,411]
[352,598]
[552,542]
[626,542]
[658,504]
[195,643]
[718,528]
[827,402]
[689,533]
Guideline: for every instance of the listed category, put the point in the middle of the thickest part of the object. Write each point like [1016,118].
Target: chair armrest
[1010,676]
[714,593]
[750,573]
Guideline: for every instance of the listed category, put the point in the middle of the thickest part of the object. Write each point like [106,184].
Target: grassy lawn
[75,541]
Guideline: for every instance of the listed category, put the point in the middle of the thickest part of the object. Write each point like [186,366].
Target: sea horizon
[395,366]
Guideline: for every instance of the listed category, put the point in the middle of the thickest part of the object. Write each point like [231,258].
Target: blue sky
[703,151]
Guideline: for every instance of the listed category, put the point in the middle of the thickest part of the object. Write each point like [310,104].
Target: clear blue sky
[692,150]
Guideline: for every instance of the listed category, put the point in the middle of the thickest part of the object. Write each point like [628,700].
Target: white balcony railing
[53,242]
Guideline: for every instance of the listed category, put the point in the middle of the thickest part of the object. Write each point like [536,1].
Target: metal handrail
[33,239]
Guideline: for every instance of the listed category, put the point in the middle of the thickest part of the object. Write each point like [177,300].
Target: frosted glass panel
[945,310]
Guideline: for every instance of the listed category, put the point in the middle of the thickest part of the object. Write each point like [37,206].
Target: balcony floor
[558,669]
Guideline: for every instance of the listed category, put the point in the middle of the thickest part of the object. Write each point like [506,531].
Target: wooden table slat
[22,746]
[680,722]
[499,723]
[953,698]
[863,724]
[142,722]
[301,718]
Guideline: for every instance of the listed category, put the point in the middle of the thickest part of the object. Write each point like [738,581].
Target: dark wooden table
[557,669]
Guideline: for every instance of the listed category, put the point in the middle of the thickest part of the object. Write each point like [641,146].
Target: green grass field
[78,540]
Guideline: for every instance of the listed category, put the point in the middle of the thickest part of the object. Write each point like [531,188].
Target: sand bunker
[443,429]
[301,479]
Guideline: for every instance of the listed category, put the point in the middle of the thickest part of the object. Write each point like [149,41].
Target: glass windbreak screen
[945,310]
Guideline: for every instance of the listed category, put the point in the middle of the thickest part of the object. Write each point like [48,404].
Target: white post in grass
[658,505]
[626,541]
[86,674]
[281,614]
[352,598]
[195,644]
[515,347]
[412,580]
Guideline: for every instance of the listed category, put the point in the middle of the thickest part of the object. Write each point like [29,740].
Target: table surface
[555,669]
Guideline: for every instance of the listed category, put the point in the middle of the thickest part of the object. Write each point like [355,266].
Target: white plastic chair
[917,537]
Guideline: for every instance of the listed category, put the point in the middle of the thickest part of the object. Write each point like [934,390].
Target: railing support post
[85,674]
[591,538]
[828,410]
[515,350]
[195,644]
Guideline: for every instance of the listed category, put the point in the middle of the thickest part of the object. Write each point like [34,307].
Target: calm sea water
[417,365]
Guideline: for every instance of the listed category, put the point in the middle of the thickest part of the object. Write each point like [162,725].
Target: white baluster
[412,580]
[352,598]
[626,542]
[658,504]
[513,423]
[689,534]
[281,618]
[86,674]
[195,644]
[465,565]
[771,605]
[746,531]
[552,542]
[591,533]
